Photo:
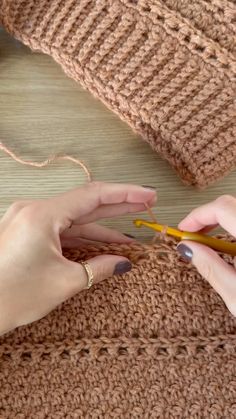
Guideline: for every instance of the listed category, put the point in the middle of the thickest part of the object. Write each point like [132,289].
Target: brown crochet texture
[155,343]
[166,67]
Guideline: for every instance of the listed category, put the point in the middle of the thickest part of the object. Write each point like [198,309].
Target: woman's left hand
[34,275]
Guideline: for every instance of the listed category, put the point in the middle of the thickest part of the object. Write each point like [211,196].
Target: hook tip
[138,223]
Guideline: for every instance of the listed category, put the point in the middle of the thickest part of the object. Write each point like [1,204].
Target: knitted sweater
[166,67]
[155,343]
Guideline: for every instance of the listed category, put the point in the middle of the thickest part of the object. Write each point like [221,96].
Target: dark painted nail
[185,252]
[122,267]
[129,235]
[153,188]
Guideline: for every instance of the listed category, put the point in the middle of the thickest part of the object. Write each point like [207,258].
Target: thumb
[75,278]
[213,268]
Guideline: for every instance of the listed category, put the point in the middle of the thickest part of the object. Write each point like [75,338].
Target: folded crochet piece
[155,343]
[166,67]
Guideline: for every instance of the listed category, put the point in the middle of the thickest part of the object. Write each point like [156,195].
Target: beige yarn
[166,67]
[155,343]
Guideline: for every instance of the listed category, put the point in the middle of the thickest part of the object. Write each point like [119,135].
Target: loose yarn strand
[156,236]
[154,219]
[46,162]
[150,213]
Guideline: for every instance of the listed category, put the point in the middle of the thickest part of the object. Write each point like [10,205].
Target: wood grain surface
[43,112]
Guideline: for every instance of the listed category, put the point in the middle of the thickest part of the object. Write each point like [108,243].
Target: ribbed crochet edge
[190,172]
[151,136]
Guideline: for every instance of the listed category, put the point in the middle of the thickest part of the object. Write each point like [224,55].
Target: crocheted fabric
[166,67]
[155,343]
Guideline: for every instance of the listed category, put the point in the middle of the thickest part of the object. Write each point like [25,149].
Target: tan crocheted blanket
[166,67]
[156,343]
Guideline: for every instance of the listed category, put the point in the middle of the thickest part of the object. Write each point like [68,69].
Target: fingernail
[129,235]
[185,252]
[122,267]
[153,188]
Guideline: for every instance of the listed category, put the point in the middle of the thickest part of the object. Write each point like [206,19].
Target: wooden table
[44,112]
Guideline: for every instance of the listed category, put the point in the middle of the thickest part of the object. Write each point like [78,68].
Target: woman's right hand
[211,266]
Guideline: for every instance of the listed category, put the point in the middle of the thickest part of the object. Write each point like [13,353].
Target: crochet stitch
[155,343]
[166,67]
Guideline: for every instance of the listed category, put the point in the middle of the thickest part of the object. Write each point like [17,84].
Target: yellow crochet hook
[216,244]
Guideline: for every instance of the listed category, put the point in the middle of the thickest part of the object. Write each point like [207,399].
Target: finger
[111,211]
[14,209]
[74,277]
[97,233]
[74,204]
[214,269]
[222,211]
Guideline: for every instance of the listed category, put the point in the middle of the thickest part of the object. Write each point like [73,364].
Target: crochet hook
[216,244]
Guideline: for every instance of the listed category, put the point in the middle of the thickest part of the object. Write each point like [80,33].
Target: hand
[34,275]
[211,266]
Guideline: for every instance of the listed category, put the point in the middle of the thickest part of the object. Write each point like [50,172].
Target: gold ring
[89,274]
